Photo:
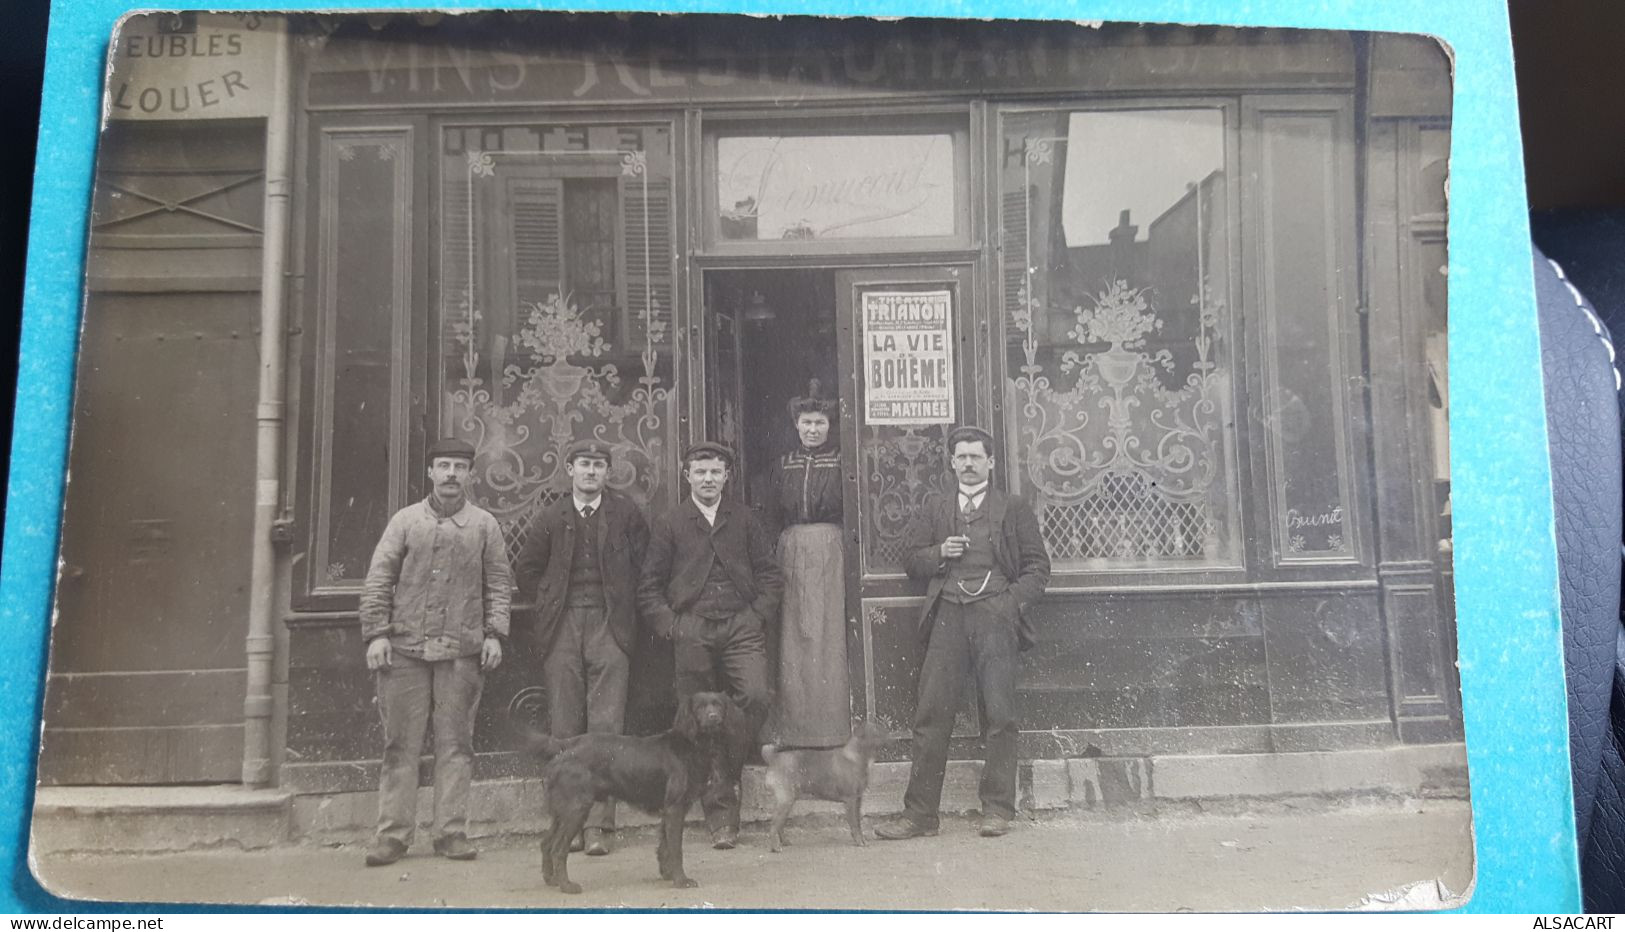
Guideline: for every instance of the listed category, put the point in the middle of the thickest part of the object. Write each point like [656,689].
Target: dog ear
[684,723]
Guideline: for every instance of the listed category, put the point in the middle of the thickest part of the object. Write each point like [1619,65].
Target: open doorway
[773,333]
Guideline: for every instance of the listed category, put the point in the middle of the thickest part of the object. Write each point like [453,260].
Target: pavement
[1381,852]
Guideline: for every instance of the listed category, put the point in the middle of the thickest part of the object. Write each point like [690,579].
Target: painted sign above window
[192,66]
[835,187]
[516,57]
[908,357]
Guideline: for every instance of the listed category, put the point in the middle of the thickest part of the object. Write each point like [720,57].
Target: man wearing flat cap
[434,615]
[982,558]
[582,558]
[711,585]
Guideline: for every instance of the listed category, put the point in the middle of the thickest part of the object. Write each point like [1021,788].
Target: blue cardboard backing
[1505,551]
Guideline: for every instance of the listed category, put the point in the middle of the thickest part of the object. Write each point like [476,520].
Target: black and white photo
[1035,432]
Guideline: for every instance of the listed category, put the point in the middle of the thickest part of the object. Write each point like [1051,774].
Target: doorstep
[152,819]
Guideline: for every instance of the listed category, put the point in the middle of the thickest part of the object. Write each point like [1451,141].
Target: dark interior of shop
[786,339]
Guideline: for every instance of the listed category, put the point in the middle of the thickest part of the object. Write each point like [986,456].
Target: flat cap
[451,446]
[591,449]
[708,449]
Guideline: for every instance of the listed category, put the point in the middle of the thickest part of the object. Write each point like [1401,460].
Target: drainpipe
[257,702]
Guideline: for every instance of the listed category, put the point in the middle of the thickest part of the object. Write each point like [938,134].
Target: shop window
[1116,283]
[555,304]
[363,292]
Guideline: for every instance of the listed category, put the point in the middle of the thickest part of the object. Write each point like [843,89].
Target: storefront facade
[1191,279]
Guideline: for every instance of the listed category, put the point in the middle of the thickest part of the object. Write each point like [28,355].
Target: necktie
[967,503]
[586,512]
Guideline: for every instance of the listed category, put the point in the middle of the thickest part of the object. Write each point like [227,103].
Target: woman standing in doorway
[813,708]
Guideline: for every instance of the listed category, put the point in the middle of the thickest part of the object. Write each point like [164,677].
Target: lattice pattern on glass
[516,524]
[1127,519]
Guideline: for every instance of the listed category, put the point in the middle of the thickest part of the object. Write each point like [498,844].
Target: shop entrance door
[908,360]
[892,346]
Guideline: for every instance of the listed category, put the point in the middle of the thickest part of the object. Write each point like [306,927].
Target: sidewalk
[1284,854]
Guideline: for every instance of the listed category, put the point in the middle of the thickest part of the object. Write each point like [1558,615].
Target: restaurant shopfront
[1192,280]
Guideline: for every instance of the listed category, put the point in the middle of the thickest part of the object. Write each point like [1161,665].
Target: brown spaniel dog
[662,775]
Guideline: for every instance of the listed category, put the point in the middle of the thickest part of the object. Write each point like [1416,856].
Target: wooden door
[147,653]
[894,458]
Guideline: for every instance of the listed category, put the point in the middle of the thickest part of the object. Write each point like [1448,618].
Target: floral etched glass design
[1118,330]
[556,286]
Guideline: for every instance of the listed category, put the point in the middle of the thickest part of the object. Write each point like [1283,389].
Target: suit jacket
[681,550]
[545,563]
[1018,551]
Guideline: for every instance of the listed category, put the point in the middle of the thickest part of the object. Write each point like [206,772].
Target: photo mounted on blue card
[704,460]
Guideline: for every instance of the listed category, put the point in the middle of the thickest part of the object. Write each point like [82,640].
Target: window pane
[835,187]
[1305,398]
[555,307]
[1118,332]
[364,296]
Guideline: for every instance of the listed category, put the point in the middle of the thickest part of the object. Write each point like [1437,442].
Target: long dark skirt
[813,706]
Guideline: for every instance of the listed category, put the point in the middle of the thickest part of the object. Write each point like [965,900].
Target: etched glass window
[1119,334]
[556,258]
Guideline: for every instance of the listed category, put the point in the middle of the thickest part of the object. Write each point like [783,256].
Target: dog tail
[768,753]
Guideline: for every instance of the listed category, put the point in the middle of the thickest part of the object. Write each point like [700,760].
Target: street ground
[1306,854]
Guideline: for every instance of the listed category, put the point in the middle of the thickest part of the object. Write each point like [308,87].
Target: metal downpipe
[270,416]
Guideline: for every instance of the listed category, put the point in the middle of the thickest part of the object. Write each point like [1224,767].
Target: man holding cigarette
[984,561]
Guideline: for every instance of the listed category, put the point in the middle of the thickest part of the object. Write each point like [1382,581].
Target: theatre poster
[908,359]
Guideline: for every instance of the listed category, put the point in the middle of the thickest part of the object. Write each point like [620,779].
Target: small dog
[838,774]
[662,775]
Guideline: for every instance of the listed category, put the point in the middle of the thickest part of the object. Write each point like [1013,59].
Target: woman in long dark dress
[813,707]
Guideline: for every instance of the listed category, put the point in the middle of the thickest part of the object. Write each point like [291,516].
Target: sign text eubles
[218,69]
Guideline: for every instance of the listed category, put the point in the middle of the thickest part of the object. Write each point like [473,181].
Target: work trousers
[976,642]
[727,655]
[411,694]
[586,674]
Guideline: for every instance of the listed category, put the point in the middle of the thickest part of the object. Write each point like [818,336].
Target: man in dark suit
[984,561]
[583,555]
[711,585]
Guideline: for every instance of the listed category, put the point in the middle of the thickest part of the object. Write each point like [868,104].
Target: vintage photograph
[526,459]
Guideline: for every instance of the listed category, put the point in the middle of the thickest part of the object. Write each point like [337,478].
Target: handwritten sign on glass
[835,187]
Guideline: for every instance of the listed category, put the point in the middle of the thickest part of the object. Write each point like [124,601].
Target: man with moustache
[983,559]
[583,556]
[711,585]
[434,615]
